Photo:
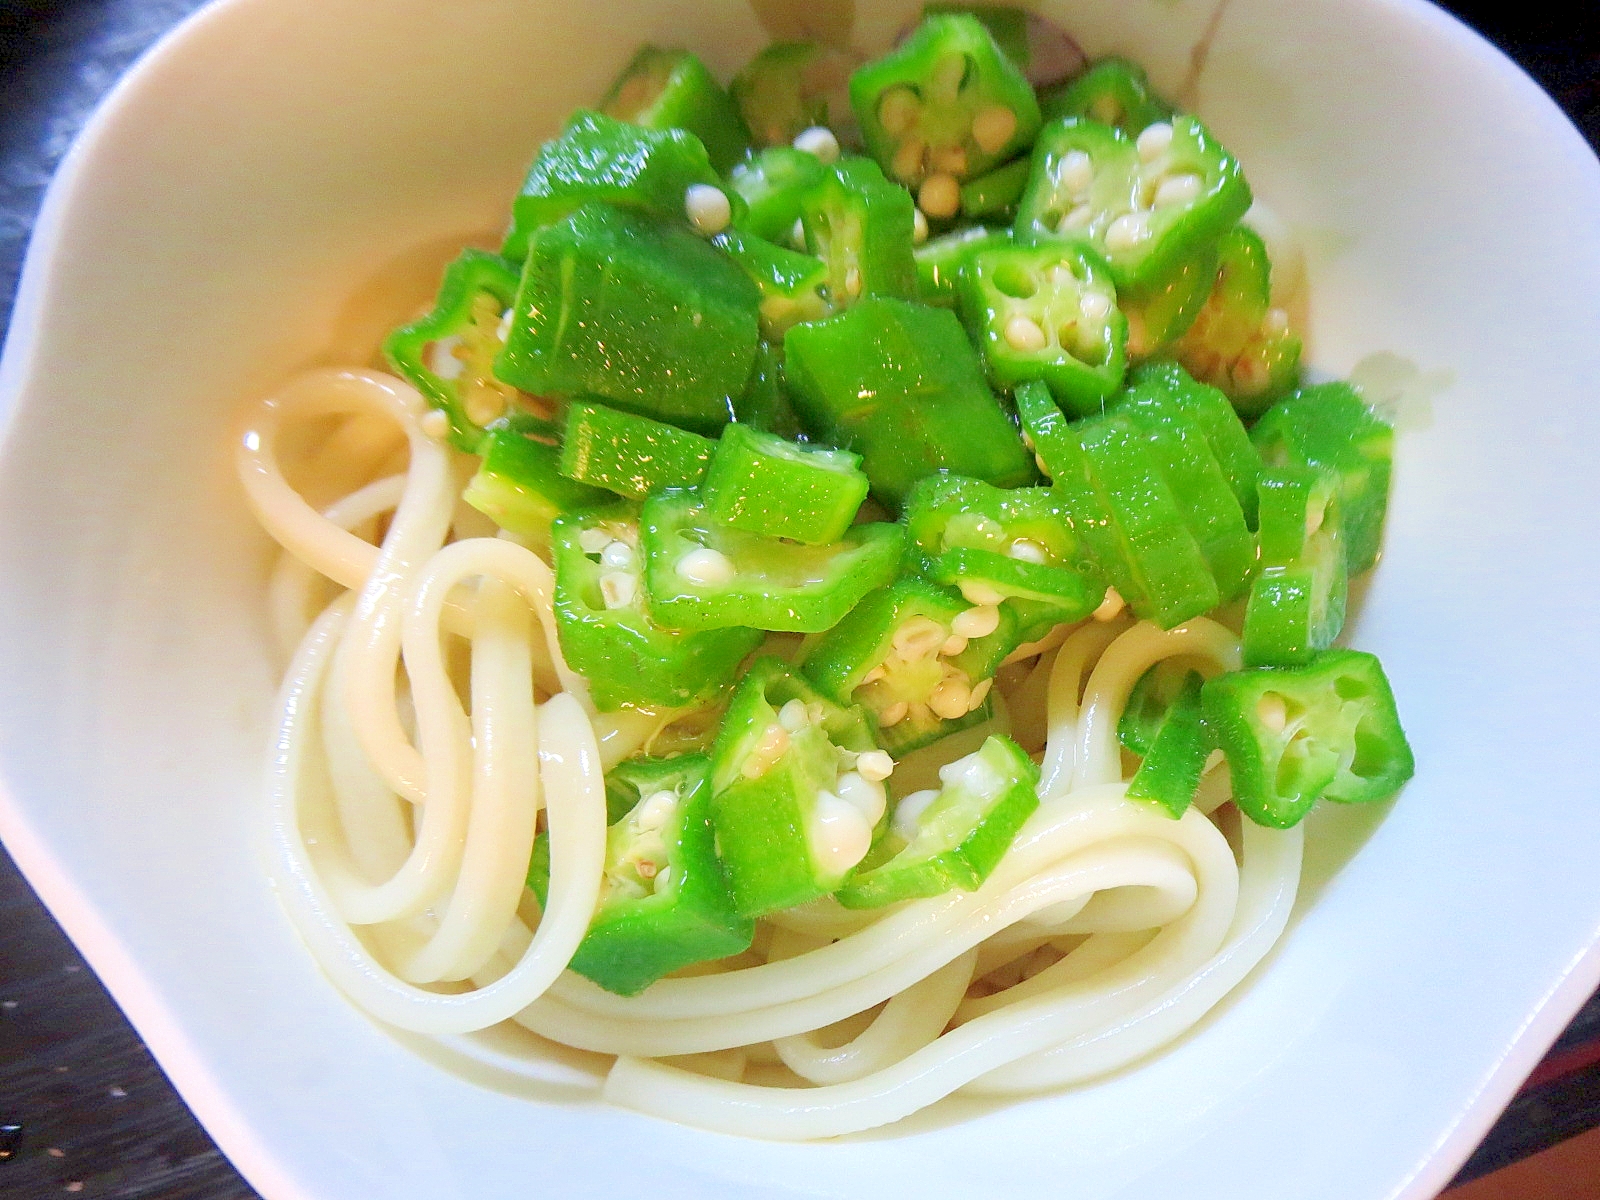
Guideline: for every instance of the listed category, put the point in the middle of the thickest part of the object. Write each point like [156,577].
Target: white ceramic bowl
[253,198]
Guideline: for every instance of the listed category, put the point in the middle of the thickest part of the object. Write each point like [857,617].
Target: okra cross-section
[448,355]
[797,790]
[793,286]
[607,632]
[953,837]
[772,183]
[1113,91]
[1145,204]
[790,87]
[636,310]
[862,227]
[702,574]
[944,105]
[600,158]
[629,454]
[1176,756]
[1294,734]
[519,484]
[918,658]
[664,900]
[1012,547]
[1047,312]
[671,89]
[900,384]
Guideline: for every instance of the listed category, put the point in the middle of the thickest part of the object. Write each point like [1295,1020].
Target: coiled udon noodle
[428,725]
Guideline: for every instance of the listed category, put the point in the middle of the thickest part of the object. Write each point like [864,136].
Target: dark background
[84,1110]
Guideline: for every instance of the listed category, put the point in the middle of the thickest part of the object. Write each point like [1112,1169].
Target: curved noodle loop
[429,728]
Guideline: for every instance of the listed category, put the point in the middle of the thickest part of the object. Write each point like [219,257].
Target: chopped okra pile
[921,359]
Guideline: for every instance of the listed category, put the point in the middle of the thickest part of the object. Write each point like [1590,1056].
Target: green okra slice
[448,355]
[1046,312]
[702,574]
[519,485]
[664,900]
[772,184]
[1160,313]
[793,286]
[629,454]
[1176,758]
[952,838]
[994,196]
[1148,703]
[671,89]
[599,158]
[1328,425]
[899,384]
[765,484]
[1162,383]
[638,311]
[1011,547]
[1294,734]
[1297,600]
[790,87]
[918,658]
[607,632]
[1112,91]
[861,226]
[797,790]
[940,261]
[1146,205]
[1238,341]
[943,106]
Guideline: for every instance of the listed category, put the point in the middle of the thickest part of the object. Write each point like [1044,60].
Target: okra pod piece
[861,226]
[793,86]
[793,286]
[994,196]
[940,260]
[1176,758]
[630,455]
[671,89]
[765,484]
[519,484]
[1297,599]
[772,184]
[1112,91]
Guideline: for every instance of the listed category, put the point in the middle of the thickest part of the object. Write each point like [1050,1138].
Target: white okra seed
[1023,333]
[818,140]
[708,208]
[898,110]
[875,765]
[993,126]
[894,714]
[940,195]
[617,554]
[919,226]
[1178,189]
[908,813]
[949,698]
[654,810]
[792,716]
[594,540]
[706,567]
[977,592]
[1154,141]
[980,693]
[1076,172]
[1272,711]
[618,588]
[918,638]
[1095,306]
[1026,550]
[953,645]
[979,621]
[838,833]
[1127,231]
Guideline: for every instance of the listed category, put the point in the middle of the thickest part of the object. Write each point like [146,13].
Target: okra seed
[594,540]
[1078,218]
[979,621]
[950,159]
[972,774]
[1023,333]
[1127,231]
[1276,322]
[1273,712]
[980,593]
[919,226]
[706,567]
[797,235]
[1110,606]
[617,554]
[949,699]
[443,360]
[1178,189]
[435,424]
[953,645]
[898,111]
[852,281]
[940,195]
[818,140]
[878,672]
[1028,551]
[646,868]
[618,588]
[907,163]
[839,835]
[654,810]
[980,693]
[792,716]
[1095,306]
[708,208]
[908,813]
[894,714]
[918,638]
[865,795]
[663,878]
[875,765]
[1076,172]
[993,126]
[1154,141]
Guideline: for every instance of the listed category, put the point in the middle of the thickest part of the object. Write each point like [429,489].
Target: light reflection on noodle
[405,801]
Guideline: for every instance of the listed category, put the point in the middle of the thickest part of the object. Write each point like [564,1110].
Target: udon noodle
[429,729]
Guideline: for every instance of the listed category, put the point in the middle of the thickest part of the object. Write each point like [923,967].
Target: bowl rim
[135,993]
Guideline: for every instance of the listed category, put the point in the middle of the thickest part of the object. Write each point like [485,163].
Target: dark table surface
[84,1109]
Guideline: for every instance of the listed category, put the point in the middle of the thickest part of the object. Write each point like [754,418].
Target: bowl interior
[280,181]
